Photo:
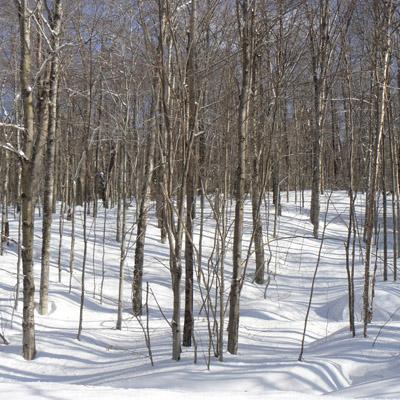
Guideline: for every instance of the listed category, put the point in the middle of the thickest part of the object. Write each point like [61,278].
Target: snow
[64,392]
[111,364]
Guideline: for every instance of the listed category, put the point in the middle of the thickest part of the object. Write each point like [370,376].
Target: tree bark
[49,161]
[28,183]
[373,179]
[143,208]
[246,28]
[190,187]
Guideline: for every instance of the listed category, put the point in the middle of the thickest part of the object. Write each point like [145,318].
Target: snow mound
[385,306]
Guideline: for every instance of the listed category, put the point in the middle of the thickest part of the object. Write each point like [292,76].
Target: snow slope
[111,364]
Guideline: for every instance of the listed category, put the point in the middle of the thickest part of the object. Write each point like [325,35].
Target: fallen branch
[380,329]
[14,126]
[3,338]
[19,153]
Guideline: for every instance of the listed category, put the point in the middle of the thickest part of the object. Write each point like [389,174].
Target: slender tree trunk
[320,60]
[4,234]
[384,209]
[27,194]
[257,190]
[246,33]
[143,208]
[49,162]
[190,186]
[395,190]
[374,171]
[123,184]
[83,275]
[72,246]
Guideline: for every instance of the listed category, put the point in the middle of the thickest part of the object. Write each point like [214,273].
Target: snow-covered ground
[111,364]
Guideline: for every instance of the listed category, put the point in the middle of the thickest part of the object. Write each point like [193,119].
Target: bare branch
[14,126]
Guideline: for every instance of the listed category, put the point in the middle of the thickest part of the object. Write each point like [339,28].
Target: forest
[199,197]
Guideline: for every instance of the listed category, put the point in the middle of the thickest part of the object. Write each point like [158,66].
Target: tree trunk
[49,161]
[190,186]
[123,184]
[27,185]
[374,171]
[143,208]
[246,32]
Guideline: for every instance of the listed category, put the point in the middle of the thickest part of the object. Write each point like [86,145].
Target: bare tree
[387,15]
[55,24]
[31,159]
[246,24]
